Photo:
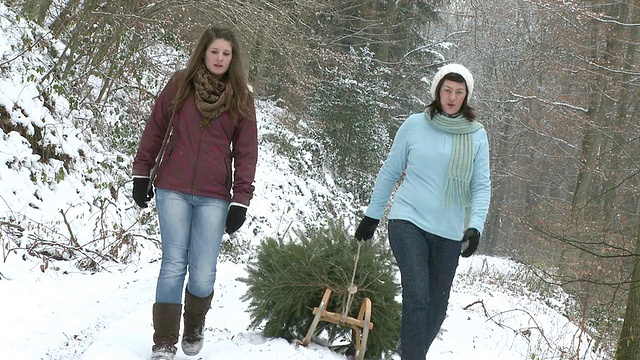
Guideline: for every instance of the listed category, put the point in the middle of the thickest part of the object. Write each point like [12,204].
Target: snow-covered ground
[64,314]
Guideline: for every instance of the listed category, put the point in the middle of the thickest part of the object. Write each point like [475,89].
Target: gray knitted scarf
[461,163]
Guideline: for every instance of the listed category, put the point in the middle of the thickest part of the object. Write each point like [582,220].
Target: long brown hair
[436,104]
[242,100]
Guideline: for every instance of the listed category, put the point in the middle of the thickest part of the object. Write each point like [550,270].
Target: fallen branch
[72,238]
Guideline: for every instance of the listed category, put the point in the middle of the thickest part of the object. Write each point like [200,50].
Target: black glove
[473,237]
[366,228]
[235,218]
[140,194]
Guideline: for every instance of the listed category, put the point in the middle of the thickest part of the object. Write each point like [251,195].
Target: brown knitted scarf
[212,95]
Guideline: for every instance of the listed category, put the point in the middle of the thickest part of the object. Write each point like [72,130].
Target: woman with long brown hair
[199,149]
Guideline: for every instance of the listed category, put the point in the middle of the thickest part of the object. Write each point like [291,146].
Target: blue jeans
[191,227]
[427,266]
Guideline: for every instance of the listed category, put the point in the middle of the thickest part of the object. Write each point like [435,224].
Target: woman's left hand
[471,235]
[235,218]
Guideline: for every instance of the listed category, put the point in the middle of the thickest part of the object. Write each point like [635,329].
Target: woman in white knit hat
[440,206]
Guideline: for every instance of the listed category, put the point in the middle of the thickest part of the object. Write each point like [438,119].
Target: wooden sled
[359,326]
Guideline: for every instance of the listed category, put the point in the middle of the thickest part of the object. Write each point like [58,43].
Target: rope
[352,288]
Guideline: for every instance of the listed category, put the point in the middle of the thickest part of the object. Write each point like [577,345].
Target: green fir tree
[287,279]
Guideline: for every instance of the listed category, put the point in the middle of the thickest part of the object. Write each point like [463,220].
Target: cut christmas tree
[287,279]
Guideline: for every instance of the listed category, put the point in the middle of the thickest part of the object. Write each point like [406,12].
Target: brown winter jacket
[199,160]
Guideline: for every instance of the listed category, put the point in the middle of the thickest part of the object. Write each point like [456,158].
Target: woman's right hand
[366,228]
[142,193]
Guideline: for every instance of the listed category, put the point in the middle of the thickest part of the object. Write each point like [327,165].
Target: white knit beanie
[453,68]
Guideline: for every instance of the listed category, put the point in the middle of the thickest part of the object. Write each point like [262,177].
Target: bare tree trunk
[43,10]
[37,10]
[500,188]
[390,20]
[256,72]
[30,8]
[622,125]
[629,342]
[591,143]
[61,22]
[601,106]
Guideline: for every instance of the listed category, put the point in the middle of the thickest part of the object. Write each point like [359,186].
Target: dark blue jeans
[427,266]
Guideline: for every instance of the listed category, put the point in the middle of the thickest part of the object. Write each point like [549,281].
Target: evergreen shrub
[287,279]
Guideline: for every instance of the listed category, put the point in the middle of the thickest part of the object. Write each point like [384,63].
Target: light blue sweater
[423,152]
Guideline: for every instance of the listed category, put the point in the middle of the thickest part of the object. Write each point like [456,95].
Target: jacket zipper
[227,178]
[195,171]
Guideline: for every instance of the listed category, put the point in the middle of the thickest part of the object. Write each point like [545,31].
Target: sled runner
[360,326]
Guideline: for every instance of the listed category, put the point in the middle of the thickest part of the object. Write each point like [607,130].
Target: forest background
[557,86]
